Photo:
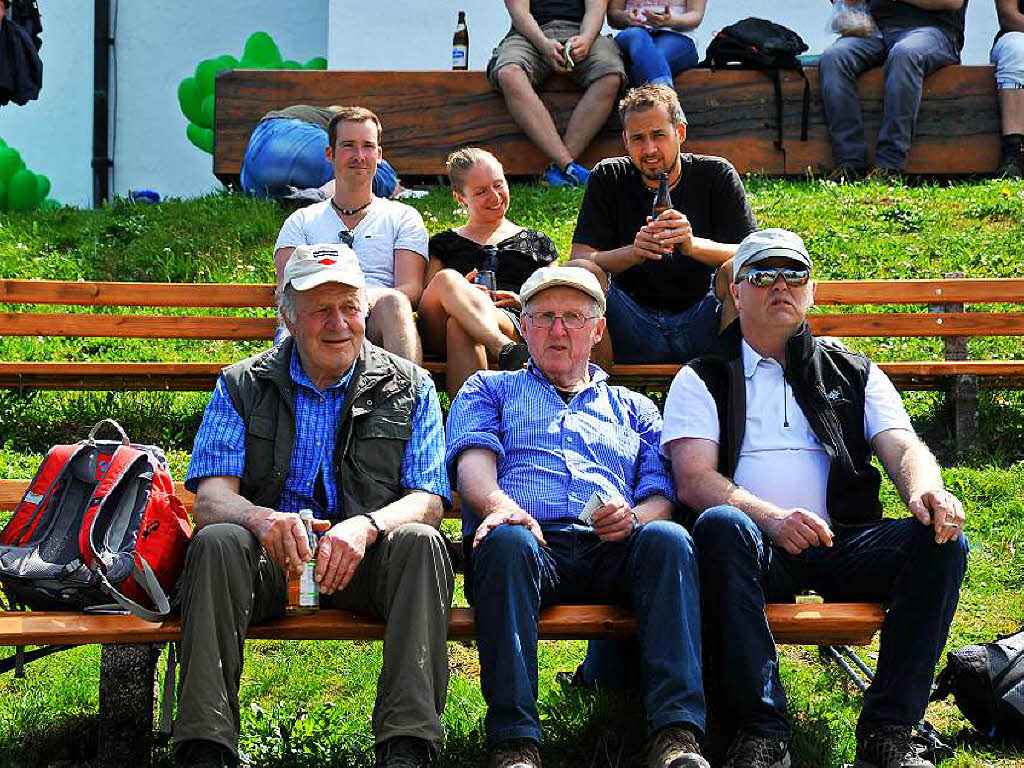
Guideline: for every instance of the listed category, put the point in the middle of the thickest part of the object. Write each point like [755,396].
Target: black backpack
[754,43]
[987,683]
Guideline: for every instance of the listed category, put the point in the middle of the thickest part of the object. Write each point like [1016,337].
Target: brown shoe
[674,746]
[514,753]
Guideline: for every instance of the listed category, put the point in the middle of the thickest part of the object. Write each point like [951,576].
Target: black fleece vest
[375,425]
[828,384]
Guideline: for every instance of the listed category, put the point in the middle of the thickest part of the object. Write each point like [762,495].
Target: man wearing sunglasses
[771,438]
[566,499]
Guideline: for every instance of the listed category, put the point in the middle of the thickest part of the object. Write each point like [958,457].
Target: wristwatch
[381,532]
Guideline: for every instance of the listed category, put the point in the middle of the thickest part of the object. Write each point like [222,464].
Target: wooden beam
[101,294]
[921,324]
[136,326]
[831,292]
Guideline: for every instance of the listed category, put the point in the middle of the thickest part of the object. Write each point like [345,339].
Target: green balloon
[261,49]
[201,137]
[21,191]
[42,187]
[49,204]
[207,112]
[206,74]
[247,63]
[190,100]
[290,64]
[318,63]
[229,61]
[3,196]
[10,163]
[2,143]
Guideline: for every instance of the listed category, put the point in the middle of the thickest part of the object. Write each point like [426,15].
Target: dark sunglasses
[766,277]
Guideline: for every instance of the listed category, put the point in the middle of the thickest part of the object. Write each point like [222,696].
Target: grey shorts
[604,57]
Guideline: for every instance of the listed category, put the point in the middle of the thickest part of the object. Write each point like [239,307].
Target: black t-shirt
[904,14]
[518,256]
[544,11]
[617,203]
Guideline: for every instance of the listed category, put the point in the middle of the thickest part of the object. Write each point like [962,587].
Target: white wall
[157,44]
[420,31]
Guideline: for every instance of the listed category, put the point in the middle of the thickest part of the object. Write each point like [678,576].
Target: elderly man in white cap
[771,439]
[566,499]
[329,422]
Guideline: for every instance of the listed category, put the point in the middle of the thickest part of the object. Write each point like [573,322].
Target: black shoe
[1012,167]
[752,750]
[405,752]
[890,746]
[199,753]
[513,356]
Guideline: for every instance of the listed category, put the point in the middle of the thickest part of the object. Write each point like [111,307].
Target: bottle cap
[306,514]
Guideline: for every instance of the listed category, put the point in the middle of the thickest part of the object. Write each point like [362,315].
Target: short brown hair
[351,115]
[461,161]
[648,96]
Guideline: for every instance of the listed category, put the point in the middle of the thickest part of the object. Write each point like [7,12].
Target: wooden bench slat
[105,294]
[829,623]
[136,326]
[832,292]
[921,324]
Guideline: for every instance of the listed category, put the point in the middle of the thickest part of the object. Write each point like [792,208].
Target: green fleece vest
[375,425]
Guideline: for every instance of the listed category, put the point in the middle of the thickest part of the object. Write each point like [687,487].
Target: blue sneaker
[553,177]
[577,173]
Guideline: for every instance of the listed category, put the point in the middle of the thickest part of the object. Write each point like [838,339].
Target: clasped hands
[659,237]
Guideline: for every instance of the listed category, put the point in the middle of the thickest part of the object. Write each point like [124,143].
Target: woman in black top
[458,317]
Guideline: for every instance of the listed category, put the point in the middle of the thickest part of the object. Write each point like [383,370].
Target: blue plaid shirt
[553,456]
[220,444]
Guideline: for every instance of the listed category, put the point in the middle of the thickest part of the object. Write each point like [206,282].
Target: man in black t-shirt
[658,273]
[913,39]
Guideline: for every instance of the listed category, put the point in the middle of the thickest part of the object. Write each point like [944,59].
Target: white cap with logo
[571,277]
[313,265]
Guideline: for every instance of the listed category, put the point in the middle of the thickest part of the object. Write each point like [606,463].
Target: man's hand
[799,529]
[508,517]
[614,520]
[579,47]
[283,535]
[506,299]
[941,510]
[659,18]
[555,52]
[646,246]
[672,228]
[342,548]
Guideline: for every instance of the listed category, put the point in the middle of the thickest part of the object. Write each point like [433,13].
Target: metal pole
[101,161]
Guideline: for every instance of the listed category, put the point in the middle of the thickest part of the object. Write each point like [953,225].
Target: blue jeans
[894,561]
[285,152]
[655,55]
[654,571]
[642,335]
[909,55]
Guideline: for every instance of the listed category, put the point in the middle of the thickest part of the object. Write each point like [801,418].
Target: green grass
[306,704]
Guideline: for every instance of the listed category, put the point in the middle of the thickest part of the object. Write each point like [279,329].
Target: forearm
[618,18]
[711,252]
[684,22]
[614,261]
[414,507]
[917,472]
[705,489]
[478,483]
[226,507]
[653,508]
[524,23]
[593,20]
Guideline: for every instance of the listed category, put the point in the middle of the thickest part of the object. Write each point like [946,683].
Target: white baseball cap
[574,277]
[768,243]
[313,265]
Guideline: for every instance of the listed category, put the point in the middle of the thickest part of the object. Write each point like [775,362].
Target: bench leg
[127,679]
[964,397]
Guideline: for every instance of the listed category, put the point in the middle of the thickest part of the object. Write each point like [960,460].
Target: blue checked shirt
[220,444]
[553,456]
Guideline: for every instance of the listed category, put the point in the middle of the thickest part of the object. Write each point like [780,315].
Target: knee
[667,538]
[418,541]
[507,548]
[607,85]
[905,57]
[594,269]
[447,281]
[392,303]
[722,526]
[221,542]
[949,560]
[631,38]
[511,78]
[835,60]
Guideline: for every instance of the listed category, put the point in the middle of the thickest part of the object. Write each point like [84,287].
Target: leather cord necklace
[350,211]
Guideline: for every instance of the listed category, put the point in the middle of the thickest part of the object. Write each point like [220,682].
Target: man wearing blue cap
[770,438]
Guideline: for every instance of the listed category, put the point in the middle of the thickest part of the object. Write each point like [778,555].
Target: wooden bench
[943,308]
[730,113]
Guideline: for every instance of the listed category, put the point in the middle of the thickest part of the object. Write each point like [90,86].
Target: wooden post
[127,680]
[963,392]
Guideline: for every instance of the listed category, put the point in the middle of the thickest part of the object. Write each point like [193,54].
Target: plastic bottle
[303,591]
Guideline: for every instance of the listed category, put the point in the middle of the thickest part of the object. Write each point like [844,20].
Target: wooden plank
[731,113]
[103,294]
[831,623]
[921,324]
[832,292]
[136,326]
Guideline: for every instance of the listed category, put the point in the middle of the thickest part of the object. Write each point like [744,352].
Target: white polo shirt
[387,226]
[781,460]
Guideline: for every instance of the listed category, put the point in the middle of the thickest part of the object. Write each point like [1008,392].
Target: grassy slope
[310,703]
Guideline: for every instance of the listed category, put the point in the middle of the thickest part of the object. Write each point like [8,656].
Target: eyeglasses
[571,320]
[346,237]
[766,277]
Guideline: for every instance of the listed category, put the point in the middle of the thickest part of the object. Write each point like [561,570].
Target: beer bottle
[662,199]
[460,44]
[303,591]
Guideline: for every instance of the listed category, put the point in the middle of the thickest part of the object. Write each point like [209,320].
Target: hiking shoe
[848,174]
[405,752]
[883,175]
[1012,167]
[199,753]
[752,750]
[577,173]
[513,356]
[890,746]
[514,753]
[674,746]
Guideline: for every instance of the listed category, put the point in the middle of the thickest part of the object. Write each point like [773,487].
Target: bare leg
[1011,109]
[450,295]
[722,279]
[590,113]
[531,115]
[391,324]
[602,354]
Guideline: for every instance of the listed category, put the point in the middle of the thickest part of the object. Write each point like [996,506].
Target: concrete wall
[419,32]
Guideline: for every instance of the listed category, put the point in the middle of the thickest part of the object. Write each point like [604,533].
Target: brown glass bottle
[662,199]
[460,44]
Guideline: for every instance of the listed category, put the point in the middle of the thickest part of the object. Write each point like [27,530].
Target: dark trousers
[896,562]
[654,571]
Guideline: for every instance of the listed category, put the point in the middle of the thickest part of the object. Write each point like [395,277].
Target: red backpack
[99,522]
